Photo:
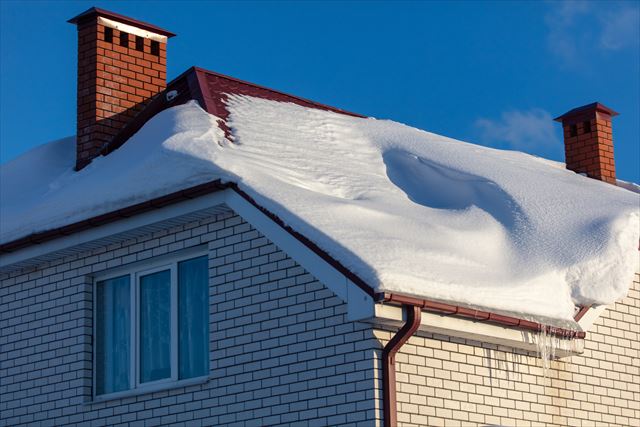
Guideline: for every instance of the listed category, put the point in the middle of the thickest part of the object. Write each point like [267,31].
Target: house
[214,252]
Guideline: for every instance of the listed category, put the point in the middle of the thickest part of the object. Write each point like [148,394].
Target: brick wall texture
[283,353]
[444,381]
[115,80]
[589,146]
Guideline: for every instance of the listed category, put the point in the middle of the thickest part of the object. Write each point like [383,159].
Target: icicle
[546,350]
[548,344]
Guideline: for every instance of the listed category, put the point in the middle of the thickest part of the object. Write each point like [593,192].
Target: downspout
[390,404]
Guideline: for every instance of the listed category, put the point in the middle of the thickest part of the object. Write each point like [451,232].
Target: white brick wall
[283,352]
[456,382]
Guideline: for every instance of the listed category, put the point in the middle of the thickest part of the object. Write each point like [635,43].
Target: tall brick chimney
[588,142]
[122,64]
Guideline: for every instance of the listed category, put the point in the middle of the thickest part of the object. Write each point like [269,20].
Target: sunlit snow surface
[406,210]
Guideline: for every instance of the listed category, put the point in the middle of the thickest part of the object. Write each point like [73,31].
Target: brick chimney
[122,64]
[588,142]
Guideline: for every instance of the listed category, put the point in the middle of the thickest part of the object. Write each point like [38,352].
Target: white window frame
[135,271]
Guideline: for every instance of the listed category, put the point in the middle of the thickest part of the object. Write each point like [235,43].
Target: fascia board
[387,315]
[113,228]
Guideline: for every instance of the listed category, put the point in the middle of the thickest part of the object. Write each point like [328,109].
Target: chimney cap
[95,11]
[594,106]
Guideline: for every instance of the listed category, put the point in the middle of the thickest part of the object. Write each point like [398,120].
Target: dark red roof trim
[479,315]
[210,89]
[96,221]
[96,11]
[583,310]
[215,86]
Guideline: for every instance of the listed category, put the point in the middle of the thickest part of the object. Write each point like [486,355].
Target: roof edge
[172,198]
[594,106]
[106,218]
[218,185]
[478,315]
[299,98]
[96,11]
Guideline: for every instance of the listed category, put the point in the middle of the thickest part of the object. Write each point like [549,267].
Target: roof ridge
[306,100]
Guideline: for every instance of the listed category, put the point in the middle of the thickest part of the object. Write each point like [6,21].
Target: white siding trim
[592,314]
[360,304]
[117,227]
[478,331]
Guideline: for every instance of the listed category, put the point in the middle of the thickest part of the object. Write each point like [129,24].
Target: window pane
[113,332]
[193,317]
[155,326]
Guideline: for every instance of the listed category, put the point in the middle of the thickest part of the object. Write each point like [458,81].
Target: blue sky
[492,73]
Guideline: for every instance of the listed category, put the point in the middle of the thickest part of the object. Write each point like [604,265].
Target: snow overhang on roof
[402,210]
[211,90]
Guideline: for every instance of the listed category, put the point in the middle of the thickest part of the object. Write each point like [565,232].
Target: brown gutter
[479,315]
[390,403]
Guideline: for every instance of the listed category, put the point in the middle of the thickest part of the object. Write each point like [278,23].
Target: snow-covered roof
[406,210]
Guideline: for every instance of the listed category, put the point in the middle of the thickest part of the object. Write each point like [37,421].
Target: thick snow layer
[406,210]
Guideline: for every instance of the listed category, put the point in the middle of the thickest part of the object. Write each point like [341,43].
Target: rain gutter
[413,308]
[480,315]
[390,403]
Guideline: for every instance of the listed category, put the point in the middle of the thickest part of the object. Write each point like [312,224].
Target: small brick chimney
[588,141]
[122,64]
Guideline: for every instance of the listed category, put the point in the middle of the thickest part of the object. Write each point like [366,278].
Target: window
[586,126]
[108,35]
[155,48]
[139,43]
[152,326]
[573,130]
[124,39]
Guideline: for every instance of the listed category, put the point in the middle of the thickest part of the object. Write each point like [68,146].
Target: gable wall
[448,381]
[282,350]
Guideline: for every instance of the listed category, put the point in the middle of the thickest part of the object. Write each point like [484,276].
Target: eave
[216,186]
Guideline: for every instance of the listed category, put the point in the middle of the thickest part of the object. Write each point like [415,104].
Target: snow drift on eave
[406,210]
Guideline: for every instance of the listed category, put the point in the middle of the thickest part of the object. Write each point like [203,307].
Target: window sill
[149,389]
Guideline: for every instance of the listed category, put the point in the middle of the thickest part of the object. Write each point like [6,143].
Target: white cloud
[620,28]
[561,21]
[577,28]
[521,130]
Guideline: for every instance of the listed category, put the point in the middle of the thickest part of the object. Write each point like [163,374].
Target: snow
[631,186]
[406,210]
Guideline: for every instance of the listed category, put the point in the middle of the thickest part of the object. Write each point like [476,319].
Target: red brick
[128,89]
[135,68]
[128,74]
[136,83]
[114,82]
[135,98]
[144,93]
